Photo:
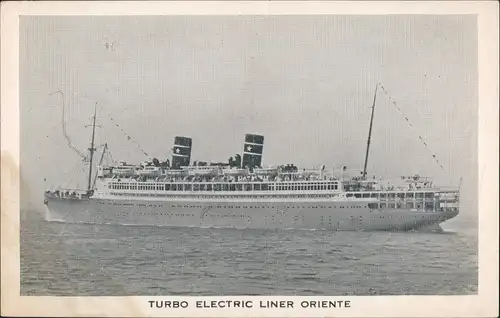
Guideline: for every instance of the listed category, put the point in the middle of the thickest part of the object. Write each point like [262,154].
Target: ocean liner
[242,193]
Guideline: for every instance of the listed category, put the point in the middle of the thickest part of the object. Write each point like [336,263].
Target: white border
[484,304]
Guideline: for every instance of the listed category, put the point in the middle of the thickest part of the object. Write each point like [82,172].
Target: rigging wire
[129,138]
[105,147]
[76,166]
[424,143]
[70,144]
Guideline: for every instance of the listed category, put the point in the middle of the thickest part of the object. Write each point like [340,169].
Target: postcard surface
[207,159]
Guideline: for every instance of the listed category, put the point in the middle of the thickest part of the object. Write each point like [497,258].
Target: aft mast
[92,149]
[370,133]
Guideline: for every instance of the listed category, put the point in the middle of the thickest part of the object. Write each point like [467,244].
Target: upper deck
[217,179]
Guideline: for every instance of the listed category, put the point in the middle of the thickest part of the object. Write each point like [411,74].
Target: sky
[304,82]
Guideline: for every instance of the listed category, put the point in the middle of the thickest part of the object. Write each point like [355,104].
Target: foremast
[92,150]
[370,132]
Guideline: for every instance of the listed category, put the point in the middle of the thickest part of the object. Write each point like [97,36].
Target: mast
[92,149]
[370,133]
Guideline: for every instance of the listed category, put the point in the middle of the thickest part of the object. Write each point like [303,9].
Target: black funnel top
[181,153]
[252,152]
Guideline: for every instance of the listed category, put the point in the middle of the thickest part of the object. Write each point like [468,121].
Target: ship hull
[345,216]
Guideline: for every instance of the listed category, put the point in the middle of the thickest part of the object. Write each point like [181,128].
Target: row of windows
[374,217]
[180,214]
[427,207]
[223,186]
[131,204]
[393,195]
[227,196]
[263,187]
[244,206]
[352,218]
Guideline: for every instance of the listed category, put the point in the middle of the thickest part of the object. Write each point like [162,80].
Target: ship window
[429,206]
[429,195]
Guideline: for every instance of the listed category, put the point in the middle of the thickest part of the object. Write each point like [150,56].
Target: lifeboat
[201,170]
[123,171]
[149,172]
[174,172]
[308,172]
[234,172]
[265,171]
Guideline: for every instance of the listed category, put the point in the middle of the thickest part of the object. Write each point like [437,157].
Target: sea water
[62,259]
